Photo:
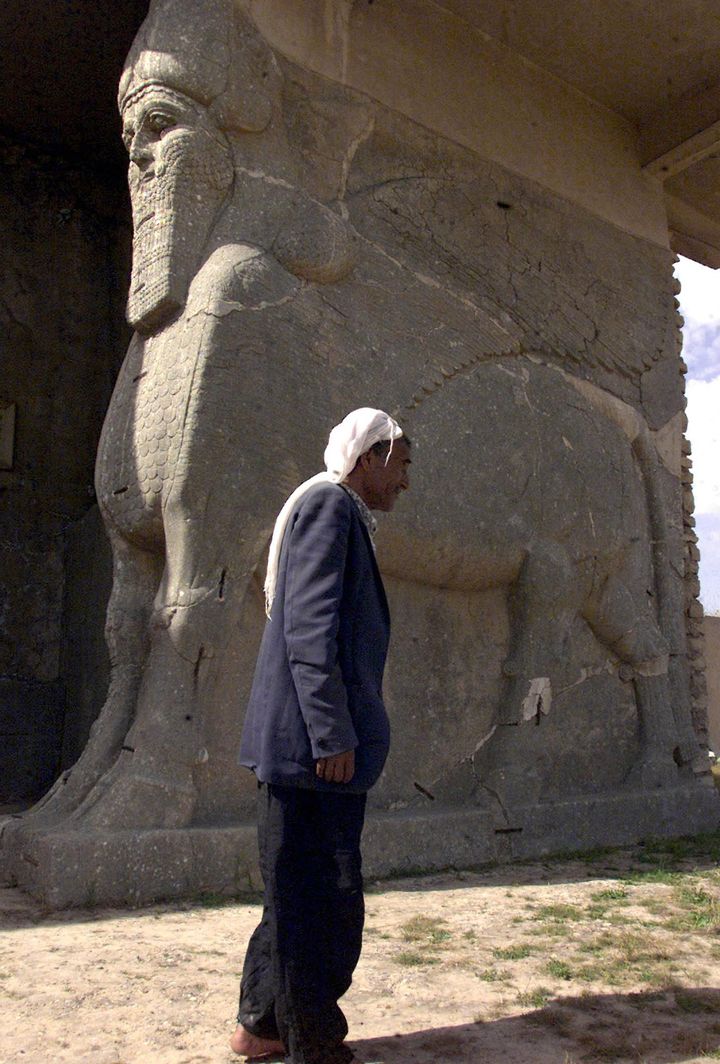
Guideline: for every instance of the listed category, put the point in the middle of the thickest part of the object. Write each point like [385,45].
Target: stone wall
[65,254]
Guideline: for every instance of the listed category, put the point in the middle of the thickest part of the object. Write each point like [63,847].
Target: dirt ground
[613,956]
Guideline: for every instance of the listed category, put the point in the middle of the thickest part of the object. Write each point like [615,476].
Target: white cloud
[700,306]
[701,349]
[708,530]
[703,412]
[700,294]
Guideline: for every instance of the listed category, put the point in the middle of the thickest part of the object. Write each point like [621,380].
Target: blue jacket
[317,689]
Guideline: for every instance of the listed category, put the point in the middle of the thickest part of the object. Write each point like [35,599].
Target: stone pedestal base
[64,869]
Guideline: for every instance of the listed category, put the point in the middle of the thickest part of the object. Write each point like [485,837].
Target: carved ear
[315,243]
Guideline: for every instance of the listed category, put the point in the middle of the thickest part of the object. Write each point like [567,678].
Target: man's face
[387,477]
[180,171]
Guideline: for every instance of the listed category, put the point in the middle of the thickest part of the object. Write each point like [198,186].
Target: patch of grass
[215,900]
[638,948]
[619,893]
[586,856]
[410,959]
[687,848]
[620,959]
[554,1016]
[469,935]
[656,906]
[426,929]
[493,975]
[693,896]
[701,910]
[652,875]
[537,998]
[559,912]
[516,952]
[596,945]
[559,969]
[611,973]
[689,1001]
[596,912]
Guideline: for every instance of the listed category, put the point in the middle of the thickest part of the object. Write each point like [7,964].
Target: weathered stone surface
[84,658]
[300,250]
[71,869]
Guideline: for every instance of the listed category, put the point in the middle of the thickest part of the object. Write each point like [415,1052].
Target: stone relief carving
[274,286]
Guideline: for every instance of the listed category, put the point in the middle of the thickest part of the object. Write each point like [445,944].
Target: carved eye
[157,122]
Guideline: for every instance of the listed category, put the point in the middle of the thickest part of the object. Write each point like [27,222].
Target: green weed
[409,959]
[559,912]
[431,931]
[559,969]
[513,953]
[618,893]
[493,975]
[537,998]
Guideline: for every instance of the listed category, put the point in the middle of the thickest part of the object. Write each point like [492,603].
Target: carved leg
[195,613]
[136,575]
[543,604]
[688,750]
[150,784]
[629,629]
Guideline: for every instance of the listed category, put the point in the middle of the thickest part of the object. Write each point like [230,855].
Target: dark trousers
[301,957]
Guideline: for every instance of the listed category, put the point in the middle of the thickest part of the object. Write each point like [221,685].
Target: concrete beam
[692,233]
[684,134]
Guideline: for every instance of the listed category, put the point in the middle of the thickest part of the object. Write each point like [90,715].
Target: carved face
[180,172]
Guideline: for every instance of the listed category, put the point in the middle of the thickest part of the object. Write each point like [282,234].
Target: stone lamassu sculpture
[261,315]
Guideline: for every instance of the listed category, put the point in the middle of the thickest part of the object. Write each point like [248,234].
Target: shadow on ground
[663,1027]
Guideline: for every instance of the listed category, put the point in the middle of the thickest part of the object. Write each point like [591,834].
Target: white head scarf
[355,435]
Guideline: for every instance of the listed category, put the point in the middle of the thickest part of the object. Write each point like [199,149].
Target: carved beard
[174,209]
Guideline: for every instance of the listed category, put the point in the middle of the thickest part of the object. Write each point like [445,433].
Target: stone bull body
[262,317]
[196,457]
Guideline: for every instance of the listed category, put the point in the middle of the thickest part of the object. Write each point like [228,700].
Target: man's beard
[173,213]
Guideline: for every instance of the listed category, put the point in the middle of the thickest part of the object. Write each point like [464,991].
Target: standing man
[316,736]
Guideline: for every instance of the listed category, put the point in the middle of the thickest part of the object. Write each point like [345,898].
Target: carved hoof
[689,752]
[652,771]
[700,764]
[127,798]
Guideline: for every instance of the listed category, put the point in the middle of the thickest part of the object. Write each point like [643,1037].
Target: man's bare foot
[249,1045]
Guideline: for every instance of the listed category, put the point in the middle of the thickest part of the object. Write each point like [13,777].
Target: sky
[700,306]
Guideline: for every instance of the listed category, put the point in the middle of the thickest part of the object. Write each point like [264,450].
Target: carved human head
[206,50]
[196,74]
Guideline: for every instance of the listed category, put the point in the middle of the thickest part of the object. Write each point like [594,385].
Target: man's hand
[337,769]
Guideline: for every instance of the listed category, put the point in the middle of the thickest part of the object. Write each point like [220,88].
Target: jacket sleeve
[317,551]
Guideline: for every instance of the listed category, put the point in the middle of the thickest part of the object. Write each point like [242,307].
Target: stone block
[74,868]
[85,662]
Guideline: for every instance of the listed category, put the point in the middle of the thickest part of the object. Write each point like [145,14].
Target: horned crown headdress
[208,51]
